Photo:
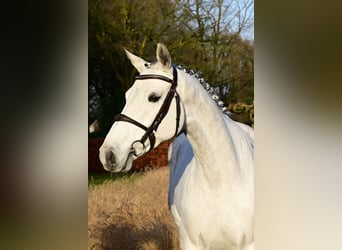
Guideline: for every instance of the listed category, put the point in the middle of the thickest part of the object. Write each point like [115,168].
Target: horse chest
[208,217]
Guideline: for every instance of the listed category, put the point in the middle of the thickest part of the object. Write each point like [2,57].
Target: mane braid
[210,90]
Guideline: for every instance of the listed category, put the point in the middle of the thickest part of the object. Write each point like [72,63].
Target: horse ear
[136,61]
[163,55]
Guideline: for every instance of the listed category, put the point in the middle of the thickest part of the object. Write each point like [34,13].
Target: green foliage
[102,177]
[242,112]
[203,35]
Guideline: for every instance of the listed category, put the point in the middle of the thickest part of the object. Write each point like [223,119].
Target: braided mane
[210,90]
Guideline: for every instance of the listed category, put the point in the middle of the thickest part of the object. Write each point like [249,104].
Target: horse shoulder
[180,155]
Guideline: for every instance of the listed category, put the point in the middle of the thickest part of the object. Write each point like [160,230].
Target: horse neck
[207,133]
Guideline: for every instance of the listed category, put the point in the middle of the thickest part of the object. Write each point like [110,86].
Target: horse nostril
[110,158]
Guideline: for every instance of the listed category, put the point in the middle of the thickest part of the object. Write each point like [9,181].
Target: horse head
[153,113]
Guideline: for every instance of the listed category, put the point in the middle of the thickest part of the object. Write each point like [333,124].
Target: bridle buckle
[138,148]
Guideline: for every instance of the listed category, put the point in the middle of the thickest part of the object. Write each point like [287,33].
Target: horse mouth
[115,168]
[128,164]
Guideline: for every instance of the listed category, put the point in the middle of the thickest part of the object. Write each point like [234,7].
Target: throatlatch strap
[178,113]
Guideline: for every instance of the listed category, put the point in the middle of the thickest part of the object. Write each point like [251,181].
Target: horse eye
[153,98]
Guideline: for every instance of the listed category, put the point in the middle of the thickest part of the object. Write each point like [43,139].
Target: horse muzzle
[113,163]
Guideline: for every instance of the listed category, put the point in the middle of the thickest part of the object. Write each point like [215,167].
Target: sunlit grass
[131,212]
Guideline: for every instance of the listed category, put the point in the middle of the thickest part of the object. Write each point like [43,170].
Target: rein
[172,93]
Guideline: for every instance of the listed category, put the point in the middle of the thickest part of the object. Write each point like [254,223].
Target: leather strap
[172,93]
[152,76]
[125,118]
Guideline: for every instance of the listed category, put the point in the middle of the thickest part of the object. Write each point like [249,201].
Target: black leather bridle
[172,93]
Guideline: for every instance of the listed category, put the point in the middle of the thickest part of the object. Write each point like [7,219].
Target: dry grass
[132,214]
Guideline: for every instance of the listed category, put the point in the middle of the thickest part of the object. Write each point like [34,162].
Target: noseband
[160,115]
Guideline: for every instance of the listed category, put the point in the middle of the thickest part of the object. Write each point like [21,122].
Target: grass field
[101,177]
[131,213]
